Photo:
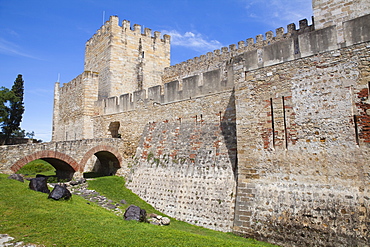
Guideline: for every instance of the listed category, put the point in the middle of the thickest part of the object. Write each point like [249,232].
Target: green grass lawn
[30,217]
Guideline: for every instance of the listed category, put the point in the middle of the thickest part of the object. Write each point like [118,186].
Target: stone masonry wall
[187,170]
[301,138]
[303,150]
[73,107]
[208,164]
[335,12]
[212,82]
[211,109]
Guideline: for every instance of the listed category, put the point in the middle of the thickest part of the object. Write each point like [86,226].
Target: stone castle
[269,138]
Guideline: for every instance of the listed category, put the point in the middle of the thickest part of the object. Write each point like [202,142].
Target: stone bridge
[69,158]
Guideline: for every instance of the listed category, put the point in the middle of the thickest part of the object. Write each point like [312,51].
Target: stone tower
[127,60]
[118,60]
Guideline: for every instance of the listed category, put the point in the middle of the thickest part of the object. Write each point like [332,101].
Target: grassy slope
[30,217]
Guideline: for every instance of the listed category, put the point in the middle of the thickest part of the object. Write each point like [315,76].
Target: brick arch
[100,148]
[45,154]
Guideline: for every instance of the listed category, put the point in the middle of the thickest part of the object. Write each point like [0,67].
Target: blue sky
[43,38]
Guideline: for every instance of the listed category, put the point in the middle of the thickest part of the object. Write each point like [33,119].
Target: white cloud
[40,91]
[195,41]
[278,13]
[10,48]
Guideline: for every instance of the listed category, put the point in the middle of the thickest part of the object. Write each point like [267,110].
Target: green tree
[5,97]
[12,119]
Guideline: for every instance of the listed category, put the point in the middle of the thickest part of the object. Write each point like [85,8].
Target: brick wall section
[363,119]
[45,154]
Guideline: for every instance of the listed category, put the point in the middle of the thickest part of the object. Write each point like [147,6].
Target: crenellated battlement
[137,30]
[214,59]
[79,80]
[127,58]
[112,27]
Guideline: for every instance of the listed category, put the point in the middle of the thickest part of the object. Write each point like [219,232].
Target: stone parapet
[216,59]
[190,88]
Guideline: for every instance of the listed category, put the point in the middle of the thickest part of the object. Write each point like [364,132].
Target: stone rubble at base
[5,241]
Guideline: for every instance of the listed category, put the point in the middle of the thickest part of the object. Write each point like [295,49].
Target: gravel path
[95,197]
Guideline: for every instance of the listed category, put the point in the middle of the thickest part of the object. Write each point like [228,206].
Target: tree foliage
[5,97]
[12,108]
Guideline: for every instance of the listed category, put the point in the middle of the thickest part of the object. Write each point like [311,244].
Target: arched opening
[101,160]
[113,129]
[64,165]
[63,170]
[48,167]
[37,167]
[102,163]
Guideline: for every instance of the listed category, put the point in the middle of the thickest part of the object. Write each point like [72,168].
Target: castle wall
[159,136]
[217,59]
[206,83]
[303,145]
[268,138]
[301,135]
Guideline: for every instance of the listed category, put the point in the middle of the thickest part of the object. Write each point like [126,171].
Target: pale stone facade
[269,138]
[127,60]
[74,105]
[334,13]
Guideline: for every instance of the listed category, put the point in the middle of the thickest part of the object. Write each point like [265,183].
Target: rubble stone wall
[303,149]
[187,170]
